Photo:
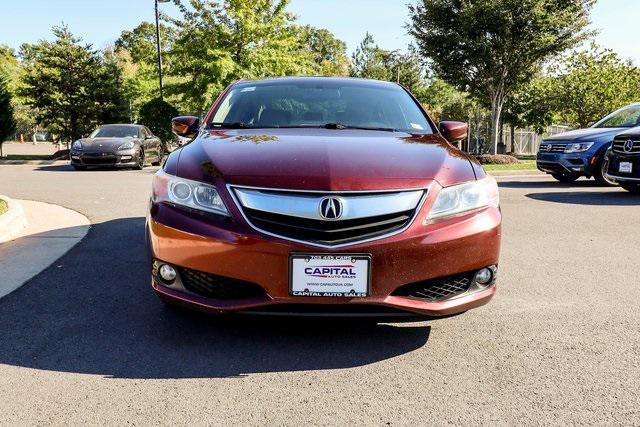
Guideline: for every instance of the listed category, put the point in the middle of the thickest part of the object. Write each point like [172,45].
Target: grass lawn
[26,157]
[523,165]
[3,206]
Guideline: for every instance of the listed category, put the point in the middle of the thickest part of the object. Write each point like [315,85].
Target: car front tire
[600,174]
[140,165]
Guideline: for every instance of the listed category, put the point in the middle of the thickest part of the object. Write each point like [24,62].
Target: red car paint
[331,160]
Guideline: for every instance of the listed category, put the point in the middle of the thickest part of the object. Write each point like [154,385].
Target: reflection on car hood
[588,134]
[104,144]
[323,159]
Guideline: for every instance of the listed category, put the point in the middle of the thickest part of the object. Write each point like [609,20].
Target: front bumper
[104,159]
[560,163]
[613,170]
[229,247]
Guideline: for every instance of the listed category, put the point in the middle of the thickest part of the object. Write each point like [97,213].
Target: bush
[156,115]
[497,159]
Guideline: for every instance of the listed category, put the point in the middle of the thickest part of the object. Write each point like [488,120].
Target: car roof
[121,124]
[355,81]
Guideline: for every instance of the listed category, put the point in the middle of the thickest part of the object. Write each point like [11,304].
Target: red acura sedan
[323,196]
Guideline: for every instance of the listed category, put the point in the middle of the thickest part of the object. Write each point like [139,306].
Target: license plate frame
[361,289]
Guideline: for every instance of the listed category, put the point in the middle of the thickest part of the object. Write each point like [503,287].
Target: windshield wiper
[343,126]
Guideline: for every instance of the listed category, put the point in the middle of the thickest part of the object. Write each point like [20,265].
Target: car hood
[588,134]
[104,144]
[323,159]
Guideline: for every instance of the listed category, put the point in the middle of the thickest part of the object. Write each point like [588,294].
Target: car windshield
[116,132]
[335,105]
[626,117]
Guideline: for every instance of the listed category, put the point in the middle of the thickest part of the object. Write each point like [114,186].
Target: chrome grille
[626,146]
[346,218]
[547,147]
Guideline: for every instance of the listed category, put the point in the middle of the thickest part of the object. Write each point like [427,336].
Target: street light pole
[158,47]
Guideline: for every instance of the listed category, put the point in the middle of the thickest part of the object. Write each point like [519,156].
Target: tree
[444,102]
[590,84]
[372,62]
[70,86]
[7,122]
[11,67]
[328,53]
[157,114]
[491,48]
[219,42]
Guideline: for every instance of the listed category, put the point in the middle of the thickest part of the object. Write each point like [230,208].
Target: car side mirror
[454,131]
[185,126]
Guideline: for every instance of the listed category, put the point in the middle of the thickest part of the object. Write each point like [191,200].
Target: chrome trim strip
[354,207]
[319,245]
[621,178]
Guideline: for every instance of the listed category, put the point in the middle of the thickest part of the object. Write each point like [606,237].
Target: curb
[516,172]
[13,221]
[51,232]
[32,162]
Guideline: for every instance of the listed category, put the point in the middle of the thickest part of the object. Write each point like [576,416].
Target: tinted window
[627,117]
[116,132]
[314,103]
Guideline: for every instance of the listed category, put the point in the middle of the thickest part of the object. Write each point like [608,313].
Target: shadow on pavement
[94,312]
[581,183]
[608,198]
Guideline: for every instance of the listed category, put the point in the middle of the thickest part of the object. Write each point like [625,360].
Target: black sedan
[117,145]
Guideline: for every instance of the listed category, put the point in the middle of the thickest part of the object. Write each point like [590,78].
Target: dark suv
[570,155]
[624,160]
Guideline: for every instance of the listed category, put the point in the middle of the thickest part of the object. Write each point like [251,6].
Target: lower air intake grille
[218,287]
[437,289]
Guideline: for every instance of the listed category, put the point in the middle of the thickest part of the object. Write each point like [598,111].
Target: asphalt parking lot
[86,341]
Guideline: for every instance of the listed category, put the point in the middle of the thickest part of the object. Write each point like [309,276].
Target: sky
[101,21]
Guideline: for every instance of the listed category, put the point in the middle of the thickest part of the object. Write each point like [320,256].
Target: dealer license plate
[626,167]
[323,275]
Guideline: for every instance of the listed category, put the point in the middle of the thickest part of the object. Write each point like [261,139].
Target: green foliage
[7,121]
[369,61]
[219,42]
[141,43]
[531,106]
[70,87]
[328,53]
[491,48]
[12,69]
[156,115]
[136,55]
[590,84]
[445,102]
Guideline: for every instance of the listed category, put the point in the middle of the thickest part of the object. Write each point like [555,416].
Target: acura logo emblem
[628,146]
[330,208]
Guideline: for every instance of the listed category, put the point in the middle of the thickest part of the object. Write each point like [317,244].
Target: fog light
[126,157]
[484,276]
[167,273]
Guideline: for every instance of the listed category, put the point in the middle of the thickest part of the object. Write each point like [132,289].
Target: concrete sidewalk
[51,231]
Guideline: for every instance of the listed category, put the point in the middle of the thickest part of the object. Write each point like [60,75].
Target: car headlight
[188,193]
[463,198]
[126,146]
[578,147]
[77,145]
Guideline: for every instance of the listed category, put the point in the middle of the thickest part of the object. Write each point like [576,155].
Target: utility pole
[158,47]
